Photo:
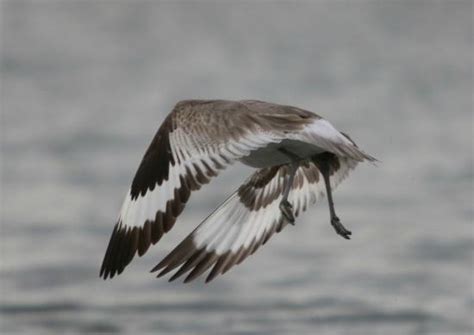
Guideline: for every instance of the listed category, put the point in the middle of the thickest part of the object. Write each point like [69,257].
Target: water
[86,84]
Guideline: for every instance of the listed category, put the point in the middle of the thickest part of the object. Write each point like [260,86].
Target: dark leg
[335,222]
[285,206]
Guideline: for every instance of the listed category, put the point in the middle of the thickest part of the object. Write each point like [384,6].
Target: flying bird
[299,157]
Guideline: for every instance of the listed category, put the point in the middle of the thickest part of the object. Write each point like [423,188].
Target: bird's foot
[340,229]
[287,211]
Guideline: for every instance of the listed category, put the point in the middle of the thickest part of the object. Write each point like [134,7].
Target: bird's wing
[316,131]
[248,218]
[196,140]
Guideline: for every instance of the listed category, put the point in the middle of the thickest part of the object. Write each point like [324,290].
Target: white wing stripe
[206,234]
[227,229]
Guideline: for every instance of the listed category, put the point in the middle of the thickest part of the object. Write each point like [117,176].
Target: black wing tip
[162,272]
[157,267]
[188,258]
[210,278]
[124,243]
[193,263]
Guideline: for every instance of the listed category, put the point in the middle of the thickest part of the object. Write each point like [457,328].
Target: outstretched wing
[249,217]
[196,140]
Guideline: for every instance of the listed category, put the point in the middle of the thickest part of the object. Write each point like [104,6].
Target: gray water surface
[84,87]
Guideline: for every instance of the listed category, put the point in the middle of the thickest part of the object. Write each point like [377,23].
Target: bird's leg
[285,206]
[335,222]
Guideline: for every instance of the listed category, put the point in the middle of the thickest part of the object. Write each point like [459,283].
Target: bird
[298,156]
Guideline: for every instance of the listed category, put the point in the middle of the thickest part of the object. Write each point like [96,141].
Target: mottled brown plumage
[197,140]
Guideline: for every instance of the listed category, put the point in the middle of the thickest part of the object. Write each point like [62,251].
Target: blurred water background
[85,85]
